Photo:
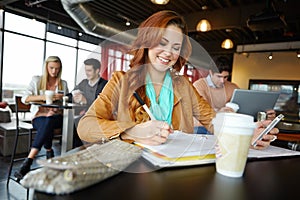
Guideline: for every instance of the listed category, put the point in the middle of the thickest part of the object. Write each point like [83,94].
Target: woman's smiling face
[167,52]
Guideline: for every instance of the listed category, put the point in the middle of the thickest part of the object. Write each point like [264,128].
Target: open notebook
[184,149]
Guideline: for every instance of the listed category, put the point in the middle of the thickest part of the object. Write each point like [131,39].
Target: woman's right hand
[152,132]
[267,139]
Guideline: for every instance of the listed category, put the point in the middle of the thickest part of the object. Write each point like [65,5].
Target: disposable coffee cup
[75,92]
[65,100]
[49,96]
[234,133]
[235,107]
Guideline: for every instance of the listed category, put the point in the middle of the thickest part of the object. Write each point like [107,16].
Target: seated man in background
[215,88]
[87,91]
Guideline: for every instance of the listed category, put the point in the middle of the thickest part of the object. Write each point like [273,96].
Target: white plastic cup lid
[234,106]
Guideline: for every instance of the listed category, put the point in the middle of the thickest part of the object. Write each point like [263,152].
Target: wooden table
[295,137]
[263,179]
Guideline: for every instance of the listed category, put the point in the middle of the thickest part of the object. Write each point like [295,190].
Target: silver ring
[274,138]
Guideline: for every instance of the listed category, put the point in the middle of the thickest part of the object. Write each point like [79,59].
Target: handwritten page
[182,149]
[181,144]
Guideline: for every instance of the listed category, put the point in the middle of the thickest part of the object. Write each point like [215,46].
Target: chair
[20,108]
[27,129]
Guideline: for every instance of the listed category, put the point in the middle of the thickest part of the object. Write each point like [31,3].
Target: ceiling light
[298,54]
[270,56]
[127,23]
[160,2]
[246,54]
[203,25]
[227,44]
[205,7]
[59,27]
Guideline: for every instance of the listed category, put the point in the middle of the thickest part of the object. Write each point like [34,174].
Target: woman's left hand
[267,139]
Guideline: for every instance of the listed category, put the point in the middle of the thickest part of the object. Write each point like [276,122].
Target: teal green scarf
[162,110]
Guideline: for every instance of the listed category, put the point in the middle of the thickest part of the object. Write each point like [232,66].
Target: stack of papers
[182,149]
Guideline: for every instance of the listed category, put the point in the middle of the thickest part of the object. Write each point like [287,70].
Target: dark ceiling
[271,20]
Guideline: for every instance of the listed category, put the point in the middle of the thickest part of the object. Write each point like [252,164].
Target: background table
[68,122]
[289,136]
[263,179]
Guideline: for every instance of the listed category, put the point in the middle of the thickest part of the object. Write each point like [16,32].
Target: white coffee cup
[65,100]
[235,107]
[234,133]
[49,96]
[75,92]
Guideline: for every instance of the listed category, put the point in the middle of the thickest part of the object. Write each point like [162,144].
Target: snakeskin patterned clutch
[75,171]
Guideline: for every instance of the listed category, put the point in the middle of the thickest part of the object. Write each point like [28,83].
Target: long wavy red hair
[149,36]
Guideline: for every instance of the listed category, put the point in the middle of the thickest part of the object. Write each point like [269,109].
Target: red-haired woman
[160,50]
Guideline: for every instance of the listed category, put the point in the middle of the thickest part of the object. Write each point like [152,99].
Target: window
[22,58]
[61,39]
[288,102]
[24,25]
[22,55]
[117,61]
[187,70]
[28,42]
[88,46]
[68,58]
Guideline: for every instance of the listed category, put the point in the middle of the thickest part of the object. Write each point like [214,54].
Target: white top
[33,89]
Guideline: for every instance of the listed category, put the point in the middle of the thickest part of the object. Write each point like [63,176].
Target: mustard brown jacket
[109,115]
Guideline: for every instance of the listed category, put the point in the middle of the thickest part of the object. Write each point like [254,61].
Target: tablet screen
[253,101]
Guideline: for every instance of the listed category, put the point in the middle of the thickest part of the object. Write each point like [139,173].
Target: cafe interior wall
[283,66]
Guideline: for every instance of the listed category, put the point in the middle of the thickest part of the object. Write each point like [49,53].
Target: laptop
[253,101]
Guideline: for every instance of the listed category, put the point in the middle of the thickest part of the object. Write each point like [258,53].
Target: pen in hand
[139,99]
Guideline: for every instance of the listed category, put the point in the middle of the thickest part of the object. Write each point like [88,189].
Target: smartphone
[60,91]
[267,130]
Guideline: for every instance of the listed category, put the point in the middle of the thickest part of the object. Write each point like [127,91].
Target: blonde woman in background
[44,119]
